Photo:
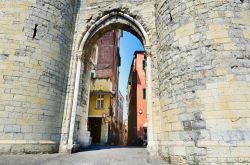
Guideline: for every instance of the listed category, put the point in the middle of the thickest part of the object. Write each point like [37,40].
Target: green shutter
[144,93]
[144,64]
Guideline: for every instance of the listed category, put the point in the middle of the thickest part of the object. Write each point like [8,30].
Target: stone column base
[84,139]
[152,148]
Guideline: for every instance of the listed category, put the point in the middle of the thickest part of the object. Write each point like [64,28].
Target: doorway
[95,129]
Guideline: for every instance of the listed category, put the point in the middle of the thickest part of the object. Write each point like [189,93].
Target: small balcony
[101,85]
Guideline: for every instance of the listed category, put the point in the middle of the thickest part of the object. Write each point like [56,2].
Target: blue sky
[128,45]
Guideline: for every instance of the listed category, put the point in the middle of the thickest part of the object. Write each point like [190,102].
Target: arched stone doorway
[188,48]
[200,65]
[83,53]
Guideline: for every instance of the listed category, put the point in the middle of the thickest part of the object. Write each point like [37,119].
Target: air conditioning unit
[92,74]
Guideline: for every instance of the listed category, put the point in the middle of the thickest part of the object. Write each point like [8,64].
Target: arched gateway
[197,74]
[84,54]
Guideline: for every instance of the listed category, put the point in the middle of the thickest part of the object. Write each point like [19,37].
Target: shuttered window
[144,93]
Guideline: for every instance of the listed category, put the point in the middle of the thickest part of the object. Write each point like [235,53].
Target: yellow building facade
[94,110]
[100,106]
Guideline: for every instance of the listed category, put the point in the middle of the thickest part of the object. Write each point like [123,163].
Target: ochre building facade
[197,73]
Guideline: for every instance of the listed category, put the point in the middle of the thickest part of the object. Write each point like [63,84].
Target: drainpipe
[75,98]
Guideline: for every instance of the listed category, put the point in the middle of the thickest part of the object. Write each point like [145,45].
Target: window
[92,74]
[100,102]
[144,64]
[120,104]
[144,93]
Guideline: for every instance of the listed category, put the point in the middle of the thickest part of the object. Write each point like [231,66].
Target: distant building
[104,89]
[137,112]
[125,132]
[120,109]
[120,116]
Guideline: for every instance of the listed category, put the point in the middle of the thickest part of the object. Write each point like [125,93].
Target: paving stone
[105,156]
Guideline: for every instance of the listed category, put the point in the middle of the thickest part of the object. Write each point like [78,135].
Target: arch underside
[115,20]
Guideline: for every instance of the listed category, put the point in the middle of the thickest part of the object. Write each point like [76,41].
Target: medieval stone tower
[198,74]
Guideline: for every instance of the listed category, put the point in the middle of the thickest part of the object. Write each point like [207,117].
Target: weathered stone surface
[34,68]
[199,53]
[12,128]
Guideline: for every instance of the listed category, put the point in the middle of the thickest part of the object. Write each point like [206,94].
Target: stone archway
[187,66]
[114,19]
[200,73]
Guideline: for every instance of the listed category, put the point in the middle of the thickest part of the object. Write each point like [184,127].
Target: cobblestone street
[95,156]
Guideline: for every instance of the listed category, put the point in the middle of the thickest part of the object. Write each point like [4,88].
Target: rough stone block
[198,124]
[5,148]
[185,30]
[187,125]
[17,149]
[179,151]
[12,128]
[177,126]
[26,128]
[3,114]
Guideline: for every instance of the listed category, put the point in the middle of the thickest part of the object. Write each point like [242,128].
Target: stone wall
[35,47]
[81,133]
[204,81]
[198,52]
